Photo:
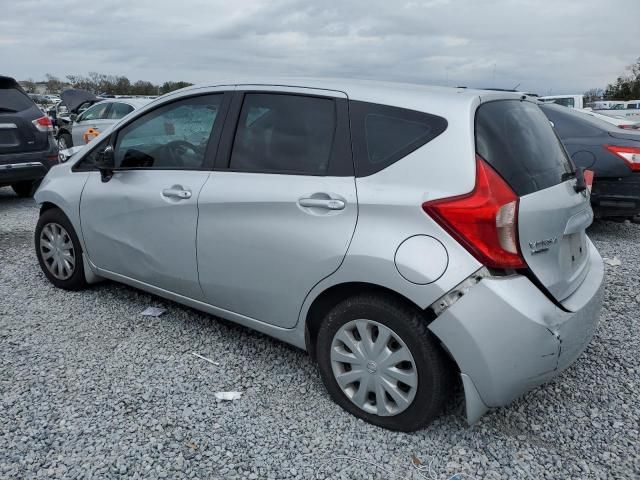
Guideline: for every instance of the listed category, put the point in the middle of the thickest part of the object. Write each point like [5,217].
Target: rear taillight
[43,124]
[631,155]
[484,221]
[628,127]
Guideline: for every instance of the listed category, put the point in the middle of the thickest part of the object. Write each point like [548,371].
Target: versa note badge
[540,246]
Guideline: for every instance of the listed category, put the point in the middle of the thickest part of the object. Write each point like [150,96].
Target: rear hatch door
[517,140]
[17,112]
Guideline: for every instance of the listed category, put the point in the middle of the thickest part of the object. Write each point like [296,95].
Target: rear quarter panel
[390,208]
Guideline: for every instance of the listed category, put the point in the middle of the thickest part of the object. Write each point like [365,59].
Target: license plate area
[9,137]
[573,255]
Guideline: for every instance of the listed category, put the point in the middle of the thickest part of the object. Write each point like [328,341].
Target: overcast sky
[558,46]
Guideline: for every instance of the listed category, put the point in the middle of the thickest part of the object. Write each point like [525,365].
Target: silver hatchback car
[407,237]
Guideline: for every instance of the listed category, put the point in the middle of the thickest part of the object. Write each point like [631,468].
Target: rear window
[517,140]
[382,135]
[571,123]
[13,100]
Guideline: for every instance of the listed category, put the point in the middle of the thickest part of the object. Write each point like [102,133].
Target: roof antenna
[516,87]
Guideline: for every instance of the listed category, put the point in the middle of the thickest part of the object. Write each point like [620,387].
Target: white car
[90,123]
[571,101]
[617,121]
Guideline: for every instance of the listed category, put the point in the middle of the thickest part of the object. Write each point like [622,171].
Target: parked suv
[27,147]
[408,237]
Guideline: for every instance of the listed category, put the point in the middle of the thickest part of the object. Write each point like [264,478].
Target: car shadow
[9,198]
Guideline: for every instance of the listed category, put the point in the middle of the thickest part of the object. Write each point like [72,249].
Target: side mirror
[73,117]
[106,163]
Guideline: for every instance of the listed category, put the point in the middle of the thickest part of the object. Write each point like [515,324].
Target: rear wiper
[578,174]
[10,110]
[581,184]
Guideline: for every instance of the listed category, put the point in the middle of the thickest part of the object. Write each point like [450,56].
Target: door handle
[326,203]
[176,193]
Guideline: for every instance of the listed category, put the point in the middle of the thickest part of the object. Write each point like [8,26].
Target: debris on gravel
[89,388]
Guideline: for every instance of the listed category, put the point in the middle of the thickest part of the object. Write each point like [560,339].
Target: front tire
[379,362]
[58,250]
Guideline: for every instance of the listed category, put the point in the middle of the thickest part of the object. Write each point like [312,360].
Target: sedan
[613,154]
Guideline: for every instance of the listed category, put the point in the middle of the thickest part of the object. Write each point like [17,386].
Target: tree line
[99,83]
[626,87]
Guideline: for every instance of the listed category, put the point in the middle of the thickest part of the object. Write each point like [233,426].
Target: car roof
[435,99]
[134,102]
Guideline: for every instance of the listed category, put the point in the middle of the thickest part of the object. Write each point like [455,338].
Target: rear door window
[119,110]
[96,112]
[12,100]
[517,140]
[279,133]
[382,135]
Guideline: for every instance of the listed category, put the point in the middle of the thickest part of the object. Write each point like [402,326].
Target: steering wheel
[178,148]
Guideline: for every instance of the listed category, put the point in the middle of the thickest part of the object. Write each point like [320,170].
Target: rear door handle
[328,204]
[176,193]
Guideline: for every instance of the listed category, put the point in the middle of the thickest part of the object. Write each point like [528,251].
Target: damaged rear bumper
[507,337]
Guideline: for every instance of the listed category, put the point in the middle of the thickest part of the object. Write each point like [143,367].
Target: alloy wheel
[373,367]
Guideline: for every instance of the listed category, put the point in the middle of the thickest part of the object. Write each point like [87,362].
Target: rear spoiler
[8,82]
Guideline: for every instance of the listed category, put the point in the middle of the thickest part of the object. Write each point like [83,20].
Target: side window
[174,136]
[281,133]
[119,110]
[96,112]
[89,161]
[382,135]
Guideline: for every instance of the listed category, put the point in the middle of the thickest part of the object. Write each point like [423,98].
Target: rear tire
[401,329]
[23,189]
[58,250]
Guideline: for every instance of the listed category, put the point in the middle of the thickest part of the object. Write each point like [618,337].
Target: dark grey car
[612,153]
[27,146]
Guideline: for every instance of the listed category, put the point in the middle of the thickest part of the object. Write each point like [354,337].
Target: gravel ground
[90,388]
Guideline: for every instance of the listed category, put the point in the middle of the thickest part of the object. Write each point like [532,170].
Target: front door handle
[326,203]
[174,192]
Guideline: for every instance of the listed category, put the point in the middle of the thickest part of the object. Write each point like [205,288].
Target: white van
[572,101]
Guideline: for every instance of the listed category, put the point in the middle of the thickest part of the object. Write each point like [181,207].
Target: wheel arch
[333,295]
[48,206]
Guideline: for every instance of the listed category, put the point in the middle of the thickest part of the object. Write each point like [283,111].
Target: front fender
[63,188]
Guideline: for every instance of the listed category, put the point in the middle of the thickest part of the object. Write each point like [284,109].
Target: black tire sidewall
[410,326]
[23,189]
[68,140]
[77,280]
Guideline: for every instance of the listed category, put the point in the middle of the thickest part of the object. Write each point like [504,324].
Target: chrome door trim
[12,166]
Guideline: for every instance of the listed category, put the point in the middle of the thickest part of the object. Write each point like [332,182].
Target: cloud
[559,46]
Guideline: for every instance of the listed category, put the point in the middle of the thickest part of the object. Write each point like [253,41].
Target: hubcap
[62,144]
[57,251]
[374,367]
